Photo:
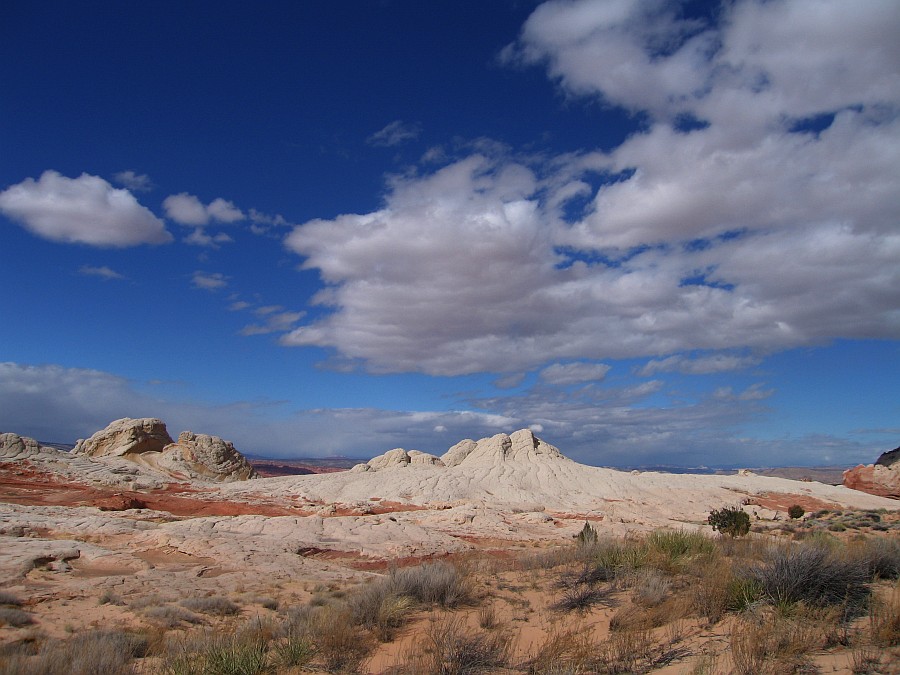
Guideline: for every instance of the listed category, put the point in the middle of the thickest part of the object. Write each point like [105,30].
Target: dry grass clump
[563,652]
[385,604]
[813,574]
[884,619]
[450,647]
[215,605]
[769,642]
[171,616]
[215,653]
[338,644]
[10,599]
[432,583]
[92,653]
[15,617]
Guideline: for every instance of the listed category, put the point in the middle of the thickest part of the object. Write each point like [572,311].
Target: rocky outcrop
[398,457]
[520,446]
[205,457]
[126,437]
[881,478]
[147,443]
[14,447]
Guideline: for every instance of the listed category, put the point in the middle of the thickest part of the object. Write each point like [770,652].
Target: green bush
[731,520]
[796,511]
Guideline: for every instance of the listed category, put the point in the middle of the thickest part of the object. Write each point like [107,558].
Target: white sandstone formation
[126,437]
[204,457]
[398,457]
[138,452]
[14,447]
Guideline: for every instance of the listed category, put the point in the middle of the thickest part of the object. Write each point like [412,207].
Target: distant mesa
[520,447]
[881,478]
[147,443]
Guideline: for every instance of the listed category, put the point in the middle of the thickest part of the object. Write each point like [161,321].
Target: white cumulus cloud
[83,210]
[187,209]
[756,211]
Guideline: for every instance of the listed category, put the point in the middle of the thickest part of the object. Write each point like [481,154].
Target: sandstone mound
[881,478]
[126,437]
[14,447]
[205,457]
[398,457]
[520,446]
[147,443]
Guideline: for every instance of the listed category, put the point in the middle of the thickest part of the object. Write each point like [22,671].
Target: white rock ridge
[147,443]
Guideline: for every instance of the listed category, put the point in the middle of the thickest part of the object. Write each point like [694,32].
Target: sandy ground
[83,552]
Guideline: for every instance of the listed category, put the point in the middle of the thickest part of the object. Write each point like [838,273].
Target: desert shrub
[15,617]
[379,607]
[880,555]
[109,597]
[92,653]
[812,574]
[563,652]
[731,520]
[582,597]
[679,546]
[263,600]
[215,605]
[339,644]
[294,649]
[487,617]
[742,593]
[651,588]
[769,642]
[708,591]
[450,648]
[587,536]
[432,583]
[7,598]
[612,558]
[627,651]
[171,615]
[216,654]
[884,619]
[796,511]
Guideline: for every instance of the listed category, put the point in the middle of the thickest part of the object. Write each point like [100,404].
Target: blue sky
[654,232]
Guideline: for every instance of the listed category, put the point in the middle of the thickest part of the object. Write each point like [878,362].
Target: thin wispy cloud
[395,133]
[102,272]
[134,181]
[209,281]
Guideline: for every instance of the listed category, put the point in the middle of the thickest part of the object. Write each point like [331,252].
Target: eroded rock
[881,478]
[126,436]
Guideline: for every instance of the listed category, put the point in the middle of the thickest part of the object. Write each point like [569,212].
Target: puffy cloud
[83,210]
[134,181]
[187,209]
[103,272]
[209,282]
[395,133]
[574,373]
[755,212]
